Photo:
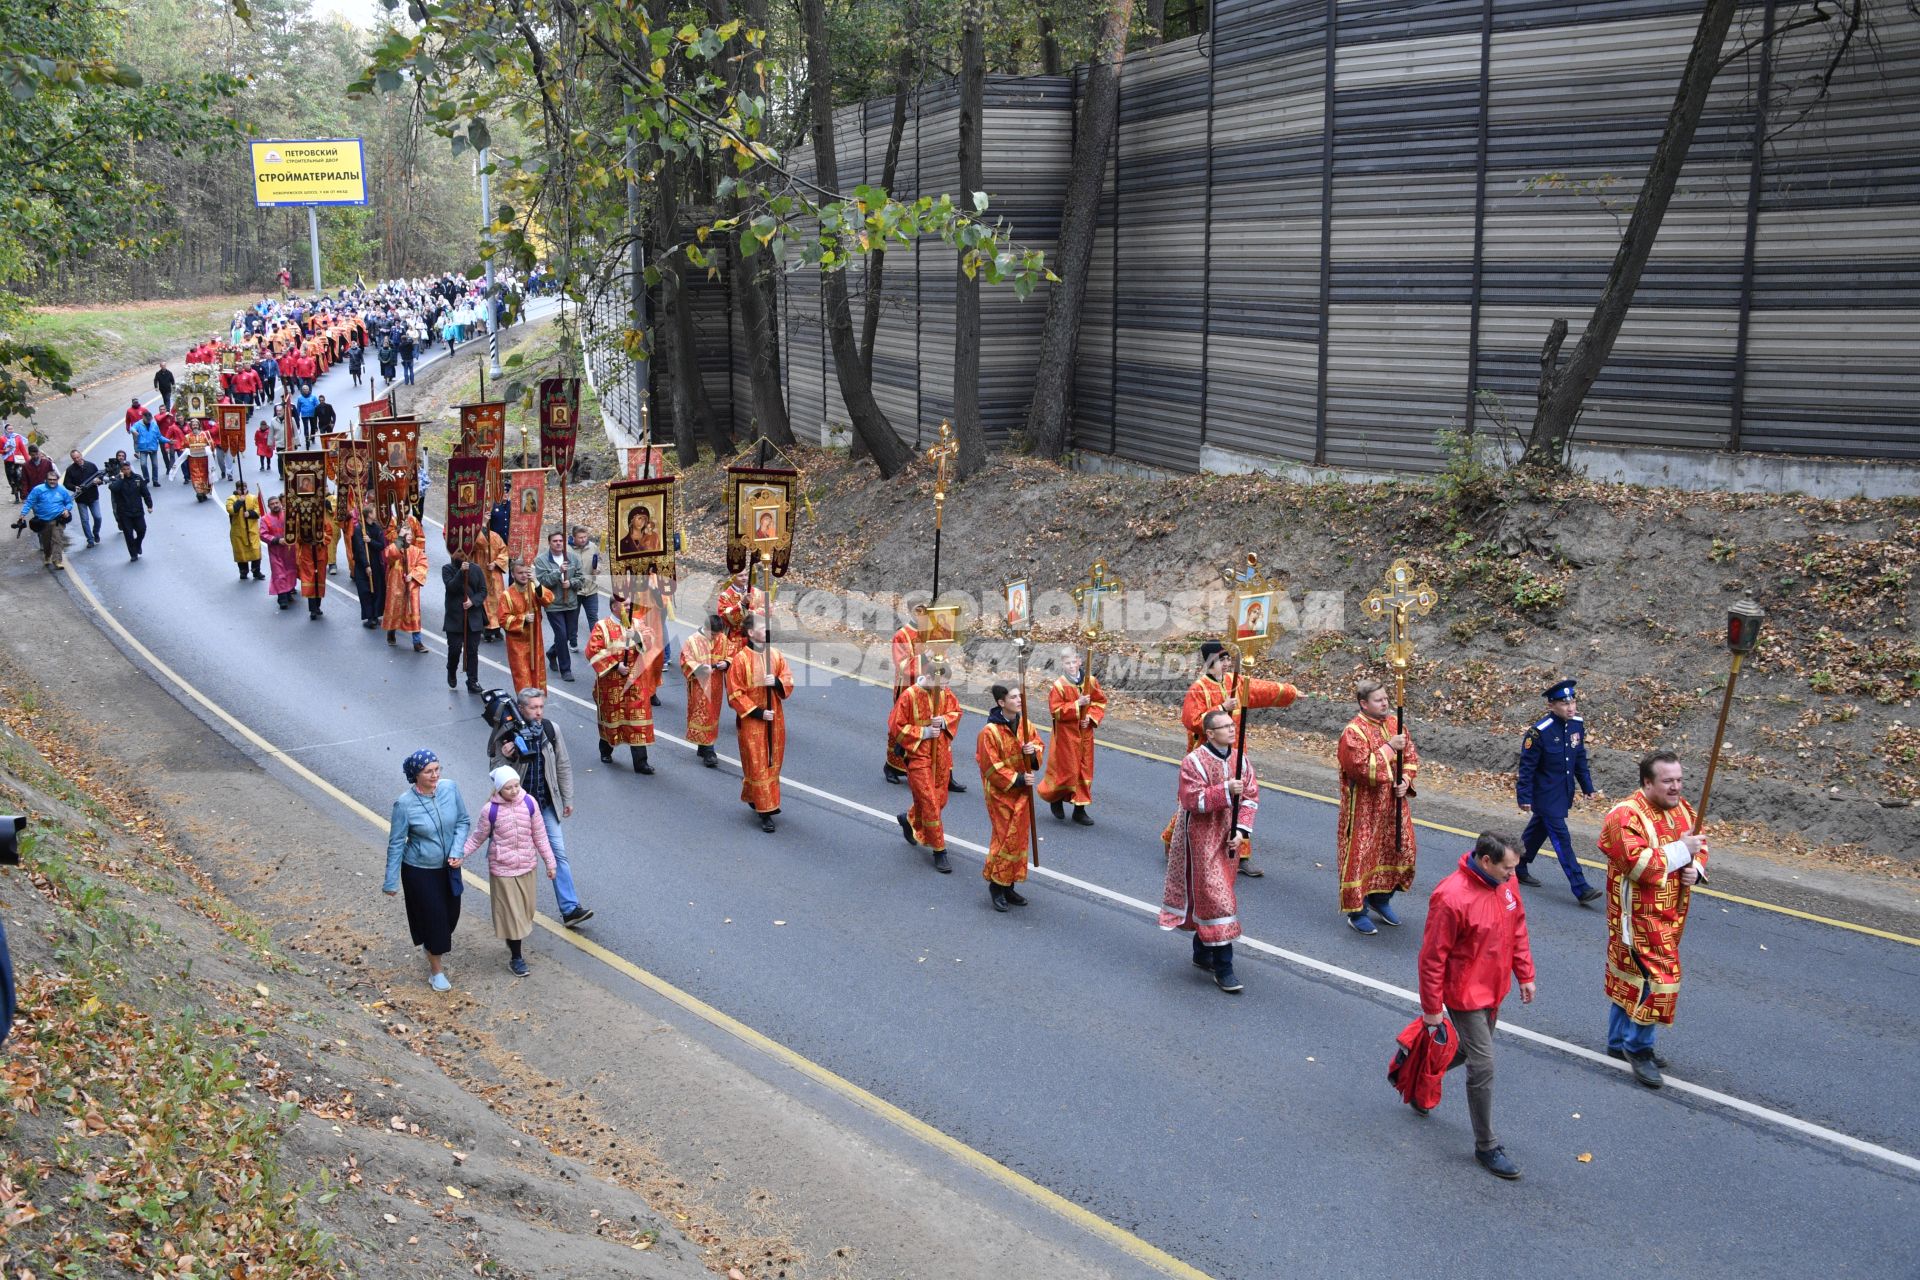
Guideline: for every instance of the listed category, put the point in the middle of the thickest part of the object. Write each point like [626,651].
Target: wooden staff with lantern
[942,455]
[1396,602]
[1744,621]
[1020,617]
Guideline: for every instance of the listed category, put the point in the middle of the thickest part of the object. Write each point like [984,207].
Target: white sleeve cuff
[1677,855]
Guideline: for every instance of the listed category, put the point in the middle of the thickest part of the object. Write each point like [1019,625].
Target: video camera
[500,710]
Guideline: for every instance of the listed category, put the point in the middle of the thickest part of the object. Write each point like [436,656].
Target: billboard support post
[313,244]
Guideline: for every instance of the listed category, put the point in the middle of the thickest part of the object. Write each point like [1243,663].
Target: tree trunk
[889,454]
[1157,19]
[889,170]
[754,287]
[967,431]
[1049,46]
[1047,426]
[692,412]
[1563,388]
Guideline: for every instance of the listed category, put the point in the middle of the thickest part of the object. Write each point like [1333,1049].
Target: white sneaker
[439,982]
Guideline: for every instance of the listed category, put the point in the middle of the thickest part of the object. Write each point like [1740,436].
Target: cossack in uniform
[1553,760]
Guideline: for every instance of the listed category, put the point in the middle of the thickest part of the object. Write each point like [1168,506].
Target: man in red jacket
[1475,945]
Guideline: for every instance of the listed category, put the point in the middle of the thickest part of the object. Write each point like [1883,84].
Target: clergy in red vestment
[1373,864]
[1008,753]
[737,602]
[759,682]
[1653,861]
[1078,705]
[283,577]
[923,723]
[622,685]
[522,617]
[311,562]
[1217,688]
[1216,815]
[406,574]
[906,669]
[703,661]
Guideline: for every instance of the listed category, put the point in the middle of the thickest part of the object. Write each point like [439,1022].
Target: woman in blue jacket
[425,837]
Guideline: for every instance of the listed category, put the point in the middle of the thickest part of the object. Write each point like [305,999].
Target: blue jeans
[89,520]
[1544,827]
[591,604]
[149,461]
[565,626]
[1624,1033]
[563,877]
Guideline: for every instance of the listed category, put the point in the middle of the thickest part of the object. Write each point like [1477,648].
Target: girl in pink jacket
[511,822]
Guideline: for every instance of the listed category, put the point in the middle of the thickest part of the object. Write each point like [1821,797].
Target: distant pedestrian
[356,363]
[38,471]
[562,574]
[325,417]
[465,606]
[426,840]
[84,480]
[516,841]
[49,511]
[1553,758]
[307,405]
[13,451]
[263,445]
[131,497]
[367,563]
[163,383]
[1475,945]
[146,447]
[538,753]
[406,356]
[134,412]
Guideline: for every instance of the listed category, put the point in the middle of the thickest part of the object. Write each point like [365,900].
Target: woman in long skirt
[426,836]
[516,838]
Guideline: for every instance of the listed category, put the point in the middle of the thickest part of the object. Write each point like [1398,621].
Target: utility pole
[493,305]
[313,244]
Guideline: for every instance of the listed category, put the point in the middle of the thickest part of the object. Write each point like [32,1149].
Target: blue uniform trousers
[1546,827]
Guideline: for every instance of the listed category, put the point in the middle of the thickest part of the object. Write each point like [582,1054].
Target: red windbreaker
[1421,1061]
[1475,944]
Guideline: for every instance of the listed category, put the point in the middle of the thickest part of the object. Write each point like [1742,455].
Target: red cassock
[759,761]
[705,694]
[1200,893]
[1646,906]
[1070,759]
[624,707]
[1369,860]
[522,618]
[1207,694]
[929,761]
[998,752]
[906,669]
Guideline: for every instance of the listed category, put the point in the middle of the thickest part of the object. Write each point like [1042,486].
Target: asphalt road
[1072,1041]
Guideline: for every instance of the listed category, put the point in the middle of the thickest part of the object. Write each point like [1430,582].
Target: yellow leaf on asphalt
[1585,1157]
[456,1193]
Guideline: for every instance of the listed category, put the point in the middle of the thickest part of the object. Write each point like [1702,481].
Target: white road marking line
[1792,1123]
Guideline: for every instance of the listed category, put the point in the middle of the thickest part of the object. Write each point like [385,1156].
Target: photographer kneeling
[525,740]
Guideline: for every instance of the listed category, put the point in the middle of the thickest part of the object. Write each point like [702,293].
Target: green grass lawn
[105,340]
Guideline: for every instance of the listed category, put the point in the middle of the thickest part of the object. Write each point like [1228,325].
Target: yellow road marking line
[979,1161]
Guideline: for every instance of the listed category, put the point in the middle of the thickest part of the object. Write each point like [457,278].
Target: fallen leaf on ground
[1585,1157]
[456,1193]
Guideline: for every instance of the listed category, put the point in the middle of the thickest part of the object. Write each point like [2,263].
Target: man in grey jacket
[535,750]
[561,572]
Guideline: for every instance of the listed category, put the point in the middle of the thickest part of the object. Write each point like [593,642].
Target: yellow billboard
[289,171]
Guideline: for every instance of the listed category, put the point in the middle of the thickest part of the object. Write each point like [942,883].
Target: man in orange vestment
[1078,704]
[1217,688]
[522,611]
[906,669]
[1008,753]
[758,684]
[309,561]
[1373,865]
[923,724]
[494,561]
[1653,862]
[406,574]
[737,602]
[703,661]
[622,685]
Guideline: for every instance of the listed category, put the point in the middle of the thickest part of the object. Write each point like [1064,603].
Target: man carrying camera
[523,738]
[49,510]
[132,499]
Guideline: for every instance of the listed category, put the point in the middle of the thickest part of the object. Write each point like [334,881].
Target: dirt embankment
[1625,589]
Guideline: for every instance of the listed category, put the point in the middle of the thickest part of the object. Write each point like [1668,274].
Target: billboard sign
[290,171]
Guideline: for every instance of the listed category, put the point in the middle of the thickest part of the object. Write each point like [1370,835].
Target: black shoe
[1225,979]
[640,764]
[893,775]
[369,624]
[1621,1054]
[257,575]
[1496,1163]
[997,895]
[1645,1069]
[940,862]
[453,680]
[577,917]
[955,785]
[1013,897]
[766,822]
[710,758]
[474,688]
[1526,877]
[1248,869]
[606,753]
[1081,818]
[906,828]
[655,700]
[1591,894]
[567,676]
[1420,1110]
[1058,810]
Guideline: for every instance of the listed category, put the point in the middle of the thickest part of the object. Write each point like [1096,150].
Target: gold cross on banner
[1092,596]
[1395,601]
[942,453]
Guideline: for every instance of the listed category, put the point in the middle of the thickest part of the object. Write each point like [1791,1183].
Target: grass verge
[107,339]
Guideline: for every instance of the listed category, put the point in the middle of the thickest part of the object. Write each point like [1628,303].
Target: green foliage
[1530,592]
[1723,551]
[73,116]
[1466,488]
